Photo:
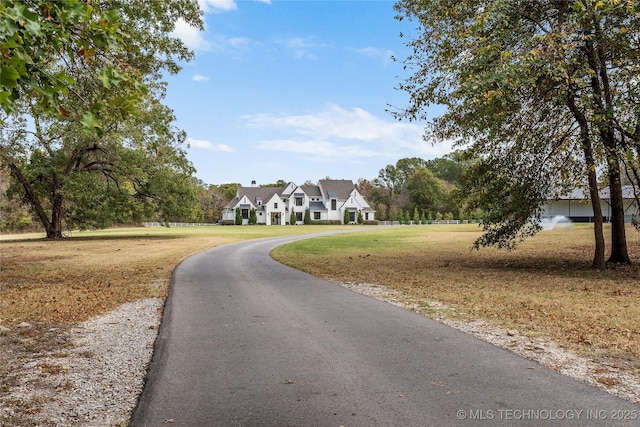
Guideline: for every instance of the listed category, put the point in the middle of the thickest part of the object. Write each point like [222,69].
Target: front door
[275,218]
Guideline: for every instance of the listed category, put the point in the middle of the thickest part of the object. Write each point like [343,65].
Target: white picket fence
[449,221]
[176,224]
[202,224]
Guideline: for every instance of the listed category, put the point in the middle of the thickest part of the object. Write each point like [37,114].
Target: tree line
[419,190]
[541,97]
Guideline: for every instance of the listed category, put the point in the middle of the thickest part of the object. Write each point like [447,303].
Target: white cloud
[208,145]
[336,131]
[192,37]
[199,78]
[209,6]
[384,55]
[317,148]
[212,6]
[302,47]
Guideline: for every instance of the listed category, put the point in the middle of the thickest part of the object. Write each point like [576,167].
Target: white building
[577,205]
[327,202]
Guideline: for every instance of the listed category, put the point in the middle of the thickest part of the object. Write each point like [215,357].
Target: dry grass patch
[68,281]
[71,280]
[545,288]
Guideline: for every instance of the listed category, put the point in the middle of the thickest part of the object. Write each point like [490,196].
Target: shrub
[326,222]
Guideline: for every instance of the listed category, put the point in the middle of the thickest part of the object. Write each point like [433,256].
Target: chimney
[253,183]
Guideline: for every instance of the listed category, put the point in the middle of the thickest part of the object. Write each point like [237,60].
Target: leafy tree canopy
[544,92]
[84,134]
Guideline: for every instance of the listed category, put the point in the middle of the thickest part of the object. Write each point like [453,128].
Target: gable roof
[311,190]
[264,194]
[336,188]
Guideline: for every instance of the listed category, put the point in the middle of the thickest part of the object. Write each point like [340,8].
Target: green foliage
[450,167]
[101,148]
[229,191]
[52,49]
[509,203]
[326,222]
[292,218]
[346,218]
[543,92]
[238,216]
[360,217]
[307,217]
[253,219]
[424,189]
[416,216]
[416,183]
[212,202]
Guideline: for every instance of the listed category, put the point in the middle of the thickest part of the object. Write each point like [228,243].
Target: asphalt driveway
[246,341]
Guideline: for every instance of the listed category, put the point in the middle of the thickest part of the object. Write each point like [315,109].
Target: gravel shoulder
[94,379]
[95,375]
[610,378]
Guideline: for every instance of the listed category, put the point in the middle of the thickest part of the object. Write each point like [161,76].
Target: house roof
[317,206]
[311,190]
[254,194]
[605,194]
[342,188]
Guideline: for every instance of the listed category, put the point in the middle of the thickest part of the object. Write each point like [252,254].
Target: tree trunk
[619,252]
[52,227]
[55,231]
[596,203]
[602,100]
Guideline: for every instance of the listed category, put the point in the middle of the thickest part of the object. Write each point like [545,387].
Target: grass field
[544,288]
[68,281]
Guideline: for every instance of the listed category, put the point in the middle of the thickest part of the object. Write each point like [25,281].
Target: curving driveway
[246,341]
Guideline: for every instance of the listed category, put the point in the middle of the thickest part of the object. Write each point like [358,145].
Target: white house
[577,205]
[327,201]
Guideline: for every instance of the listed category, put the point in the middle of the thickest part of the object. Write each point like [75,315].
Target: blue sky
[295,90]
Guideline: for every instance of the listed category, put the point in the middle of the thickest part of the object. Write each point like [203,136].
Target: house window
[366,216]
[245,213]
[316,215]
[298,216]
[299,201]
[275,205]
[333,204]
[352,216]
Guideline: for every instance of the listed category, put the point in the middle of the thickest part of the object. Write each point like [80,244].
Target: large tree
[544,92]
[425,190]
[83,131]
